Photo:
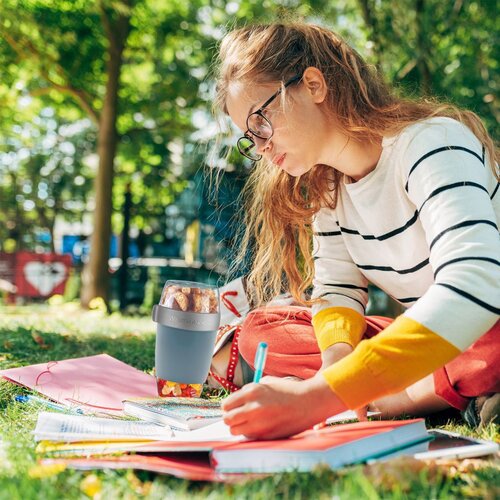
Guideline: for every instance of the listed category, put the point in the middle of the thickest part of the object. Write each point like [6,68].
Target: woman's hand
[278,407]
[333,354]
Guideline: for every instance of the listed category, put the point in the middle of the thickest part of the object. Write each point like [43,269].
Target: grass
[35,334]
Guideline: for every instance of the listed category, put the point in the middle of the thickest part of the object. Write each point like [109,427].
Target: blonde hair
[279,208]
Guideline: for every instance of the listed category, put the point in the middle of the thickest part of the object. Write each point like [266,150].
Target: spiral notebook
[181,413]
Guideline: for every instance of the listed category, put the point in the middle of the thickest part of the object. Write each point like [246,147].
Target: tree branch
[106,22]
[406,69]
[368,16]
[372,24]
[78,95]
[116,32]
[157,127]
[29,49]
[422,51]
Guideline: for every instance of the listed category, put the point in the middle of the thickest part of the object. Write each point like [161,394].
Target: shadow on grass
[25,346]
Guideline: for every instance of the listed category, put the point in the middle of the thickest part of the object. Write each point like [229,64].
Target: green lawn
[36,334]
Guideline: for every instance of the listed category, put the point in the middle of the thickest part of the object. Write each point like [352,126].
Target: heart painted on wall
[44,276]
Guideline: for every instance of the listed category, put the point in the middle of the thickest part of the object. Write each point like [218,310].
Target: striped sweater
[423,227]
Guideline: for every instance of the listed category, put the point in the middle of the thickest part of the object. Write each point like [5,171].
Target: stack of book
[67,438]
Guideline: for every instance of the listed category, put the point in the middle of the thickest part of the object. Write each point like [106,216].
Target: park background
[106,151]
[107,135]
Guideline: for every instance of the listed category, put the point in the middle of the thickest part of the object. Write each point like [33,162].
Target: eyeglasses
[259,126]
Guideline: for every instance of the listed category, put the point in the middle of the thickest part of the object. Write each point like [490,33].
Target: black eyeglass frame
[260,113]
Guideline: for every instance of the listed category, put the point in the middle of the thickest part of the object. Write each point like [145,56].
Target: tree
[74,53]
[44,175]
[445,49]
[138,70]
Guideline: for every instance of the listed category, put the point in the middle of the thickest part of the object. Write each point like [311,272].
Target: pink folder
[94,383]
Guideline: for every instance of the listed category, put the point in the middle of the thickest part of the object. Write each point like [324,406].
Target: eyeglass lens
[246,147]
[260,126]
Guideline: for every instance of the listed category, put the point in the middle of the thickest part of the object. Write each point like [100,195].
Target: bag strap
[227,382]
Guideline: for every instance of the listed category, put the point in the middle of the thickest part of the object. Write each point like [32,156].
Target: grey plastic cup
[187,320]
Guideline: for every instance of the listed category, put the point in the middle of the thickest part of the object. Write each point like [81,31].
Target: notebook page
[63,427]
[217,431]
[348,415]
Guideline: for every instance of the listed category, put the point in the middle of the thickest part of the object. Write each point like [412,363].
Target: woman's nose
[262,145]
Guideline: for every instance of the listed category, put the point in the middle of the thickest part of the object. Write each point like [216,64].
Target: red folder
[95,383]
[192,466]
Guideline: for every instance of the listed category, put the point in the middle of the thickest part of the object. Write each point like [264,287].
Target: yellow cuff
[403,353]
[338,324]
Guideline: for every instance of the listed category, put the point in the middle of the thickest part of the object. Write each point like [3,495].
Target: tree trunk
[370,19]
[95,277]
[422,50]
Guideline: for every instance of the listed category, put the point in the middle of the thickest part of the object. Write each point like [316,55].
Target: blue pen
[260,362]
[47,403]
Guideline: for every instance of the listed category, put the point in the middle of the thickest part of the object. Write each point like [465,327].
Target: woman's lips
[278,159]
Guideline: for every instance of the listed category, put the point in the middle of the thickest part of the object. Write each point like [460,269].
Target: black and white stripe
[440,150]
[472,298]
[461,225]
[343,295]
[425,214]
[495,191]
[417,267]
[462,259]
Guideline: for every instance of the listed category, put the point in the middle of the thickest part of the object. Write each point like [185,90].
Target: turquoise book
[180,413]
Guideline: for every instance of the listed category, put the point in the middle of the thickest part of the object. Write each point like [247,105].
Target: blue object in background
[76,245]
[79,247]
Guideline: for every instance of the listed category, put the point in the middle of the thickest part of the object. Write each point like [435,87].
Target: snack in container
[185,337]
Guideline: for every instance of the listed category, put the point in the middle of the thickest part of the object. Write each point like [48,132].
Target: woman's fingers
[269,379]
[278,408]
[236,399]
[362,414]
[243,413]
[235,417]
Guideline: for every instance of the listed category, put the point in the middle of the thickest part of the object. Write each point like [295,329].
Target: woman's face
[301,128]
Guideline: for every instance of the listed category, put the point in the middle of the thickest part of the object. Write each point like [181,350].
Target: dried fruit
[190,299]
[167,388]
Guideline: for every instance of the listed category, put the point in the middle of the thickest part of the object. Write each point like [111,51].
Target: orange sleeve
[338,324]
[403,353]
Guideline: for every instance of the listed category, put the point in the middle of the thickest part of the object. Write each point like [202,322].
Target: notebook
[197,465]
[203,439]
[181,413]
[334,447]
[94,383]
[78,428]
[191,466]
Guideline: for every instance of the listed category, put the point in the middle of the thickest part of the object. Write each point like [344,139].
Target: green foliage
[54,56]
[44,175]
[430,48]
[152,290]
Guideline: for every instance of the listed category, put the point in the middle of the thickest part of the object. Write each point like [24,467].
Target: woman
[399,193]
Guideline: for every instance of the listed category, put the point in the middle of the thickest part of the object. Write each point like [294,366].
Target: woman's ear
[315,83]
